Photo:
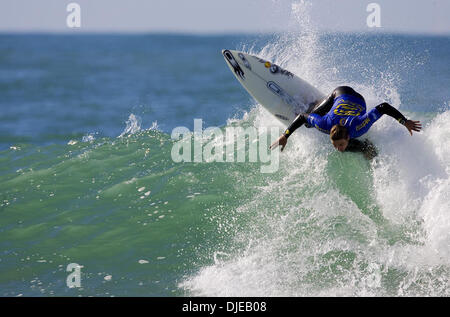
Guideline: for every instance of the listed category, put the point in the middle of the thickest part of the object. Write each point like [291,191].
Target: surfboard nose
[226,52]
[233,63]
[228,55]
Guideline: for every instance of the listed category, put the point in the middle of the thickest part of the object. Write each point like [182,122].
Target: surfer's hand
[282,140]
[413,126]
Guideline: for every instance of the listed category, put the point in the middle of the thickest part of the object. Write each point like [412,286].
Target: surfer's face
[340,144]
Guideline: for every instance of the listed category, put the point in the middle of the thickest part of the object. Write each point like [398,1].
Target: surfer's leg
[323,106]
[346,90]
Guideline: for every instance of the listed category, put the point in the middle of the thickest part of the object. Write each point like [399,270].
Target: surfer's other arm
[297,123]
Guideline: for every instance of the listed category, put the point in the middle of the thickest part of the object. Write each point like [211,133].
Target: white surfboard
[279,91]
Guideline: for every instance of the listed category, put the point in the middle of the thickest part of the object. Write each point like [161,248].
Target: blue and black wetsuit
[346,107]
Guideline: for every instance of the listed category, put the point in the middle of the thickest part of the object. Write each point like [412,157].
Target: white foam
[133,125]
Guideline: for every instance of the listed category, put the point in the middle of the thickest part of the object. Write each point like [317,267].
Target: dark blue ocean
[87,177]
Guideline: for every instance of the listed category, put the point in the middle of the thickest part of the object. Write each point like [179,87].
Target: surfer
[343,116]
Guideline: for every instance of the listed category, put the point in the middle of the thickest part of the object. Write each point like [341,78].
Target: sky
[230,16]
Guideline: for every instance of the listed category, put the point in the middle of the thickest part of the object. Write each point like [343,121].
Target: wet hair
[338,132]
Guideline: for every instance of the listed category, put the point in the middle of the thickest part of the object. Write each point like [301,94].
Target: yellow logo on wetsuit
[348,109]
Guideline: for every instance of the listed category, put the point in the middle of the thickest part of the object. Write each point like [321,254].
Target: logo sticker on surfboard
[284,95]
[274,69]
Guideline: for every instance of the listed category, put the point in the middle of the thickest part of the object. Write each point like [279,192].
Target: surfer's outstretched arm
[386,108]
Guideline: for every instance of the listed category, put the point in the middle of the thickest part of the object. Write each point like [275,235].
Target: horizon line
[215,33]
